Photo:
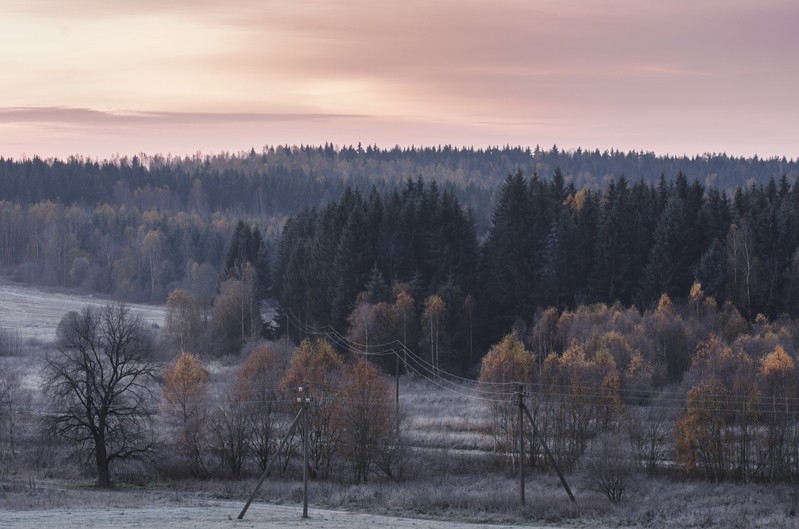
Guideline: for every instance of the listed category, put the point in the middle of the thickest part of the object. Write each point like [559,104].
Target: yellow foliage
[711,305]
[365,398]
[664,305]
[604,360]
[684,444]
[185,383]
[312,363]
[574,355]
[696,292]
[433,307]
[713,347]
[507,361]
[579,199]
[258,375]
[699,433]
[637,365]
[777,364]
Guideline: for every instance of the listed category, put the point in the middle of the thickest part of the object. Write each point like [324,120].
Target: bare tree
[257,389]
[12,396]
[608,466]
[230,433]
[99,381]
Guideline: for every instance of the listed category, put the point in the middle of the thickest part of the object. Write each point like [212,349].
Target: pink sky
[99,77]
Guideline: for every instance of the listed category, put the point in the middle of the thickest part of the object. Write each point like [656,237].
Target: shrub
[608,466]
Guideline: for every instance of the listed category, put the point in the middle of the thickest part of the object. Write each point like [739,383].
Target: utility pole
[271,464]
[304,400]
[396,374]
[520,392]
[548,454]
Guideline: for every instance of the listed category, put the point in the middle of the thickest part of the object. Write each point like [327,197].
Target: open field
[34,313]
[216,515]
[451,478]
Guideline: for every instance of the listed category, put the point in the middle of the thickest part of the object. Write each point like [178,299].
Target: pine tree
[351,267]
[508,275]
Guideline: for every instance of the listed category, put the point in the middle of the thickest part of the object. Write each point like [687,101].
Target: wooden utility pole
[305,400]
[520,392]
[396,373]
[549,455]
[271,463]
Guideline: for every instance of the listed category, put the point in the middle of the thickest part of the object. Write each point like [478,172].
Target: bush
[607,466]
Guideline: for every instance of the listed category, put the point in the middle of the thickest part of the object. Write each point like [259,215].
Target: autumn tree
[363,417]
[257,387]
[186,399]
[363,322]
[507,362]
[434,308]
[317,367]
[716,434]
[544,334]
[743,265]
[585,399]
[13,397]
[183,325]
[777,371]
[151,248]
[99,380]
[699,433]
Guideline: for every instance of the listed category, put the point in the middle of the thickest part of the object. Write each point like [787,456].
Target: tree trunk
[101,459]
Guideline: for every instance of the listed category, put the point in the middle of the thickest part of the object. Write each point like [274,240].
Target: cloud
[90,117]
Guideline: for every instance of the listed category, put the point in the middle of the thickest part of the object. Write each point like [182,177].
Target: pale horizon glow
[99,79]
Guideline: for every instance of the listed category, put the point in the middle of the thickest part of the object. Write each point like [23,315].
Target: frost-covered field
[34,313]
[216,515]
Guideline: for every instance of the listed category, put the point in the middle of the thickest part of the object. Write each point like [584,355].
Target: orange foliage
[313,363]
[318,366]
[508,361]
[363,416]
[258,376]
[185,383]
[699,433]
[777,364]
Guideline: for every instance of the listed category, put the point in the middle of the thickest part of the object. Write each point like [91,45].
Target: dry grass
[450,475]
[440,419]
[485,498]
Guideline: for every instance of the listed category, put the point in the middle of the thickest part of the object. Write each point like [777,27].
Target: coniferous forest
[497,234]
[603,280]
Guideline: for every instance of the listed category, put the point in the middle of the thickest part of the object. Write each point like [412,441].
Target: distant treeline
[280,181]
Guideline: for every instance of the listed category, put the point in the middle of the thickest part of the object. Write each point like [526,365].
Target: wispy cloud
[86,117]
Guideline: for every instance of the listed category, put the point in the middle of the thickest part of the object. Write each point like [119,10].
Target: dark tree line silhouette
[549,245]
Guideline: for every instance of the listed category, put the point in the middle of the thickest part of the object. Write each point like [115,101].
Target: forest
[652,312]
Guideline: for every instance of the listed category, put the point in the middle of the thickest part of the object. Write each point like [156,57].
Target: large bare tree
[99,380]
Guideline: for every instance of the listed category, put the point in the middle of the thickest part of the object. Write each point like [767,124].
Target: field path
[35,313]
[218,515]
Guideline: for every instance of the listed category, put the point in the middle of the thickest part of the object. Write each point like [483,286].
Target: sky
[102,78]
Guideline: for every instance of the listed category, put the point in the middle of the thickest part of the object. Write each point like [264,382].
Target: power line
[726,403]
